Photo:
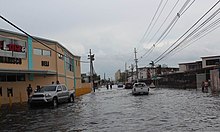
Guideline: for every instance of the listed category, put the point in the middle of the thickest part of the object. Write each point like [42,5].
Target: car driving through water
[140,88]
[52,94]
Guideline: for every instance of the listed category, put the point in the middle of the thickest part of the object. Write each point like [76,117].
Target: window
[212,62]
[2,77]
[64,88]
[20,77]
[37,51]
[59,88]
[46,53]
[69,65]
[11,77]
[0,91]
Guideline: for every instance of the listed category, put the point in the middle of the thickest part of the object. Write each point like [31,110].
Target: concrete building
[210,61]
[190,66]
[118,75]
[25,61]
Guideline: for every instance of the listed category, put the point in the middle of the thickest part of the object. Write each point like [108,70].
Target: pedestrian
[58,82]
[206,86]
[107,86]
[110,85]
[38,88]
[29,90]
[203,86]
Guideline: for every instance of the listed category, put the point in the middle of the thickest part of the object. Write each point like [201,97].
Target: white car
[140,88]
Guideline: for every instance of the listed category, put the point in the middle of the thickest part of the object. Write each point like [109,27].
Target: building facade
[24,61]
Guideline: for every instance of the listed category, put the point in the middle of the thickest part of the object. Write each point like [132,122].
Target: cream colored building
[25,61]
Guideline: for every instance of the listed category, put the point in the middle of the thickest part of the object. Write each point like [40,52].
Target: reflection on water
[119,110]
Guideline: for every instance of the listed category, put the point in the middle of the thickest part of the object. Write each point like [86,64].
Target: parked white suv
[53,94]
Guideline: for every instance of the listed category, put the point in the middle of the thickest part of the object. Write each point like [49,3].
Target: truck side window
[59,88]
[64,88]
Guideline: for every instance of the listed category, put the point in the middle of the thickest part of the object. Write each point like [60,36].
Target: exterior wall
[57,67]
[215,81]
[86,88]
[117,75]
[19,88]
[142,73]
[60,61]
[199,79]
[182,67]
[37,59]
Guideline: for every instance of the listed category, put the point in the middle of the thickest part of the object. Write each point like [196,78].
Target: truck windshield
[48,88]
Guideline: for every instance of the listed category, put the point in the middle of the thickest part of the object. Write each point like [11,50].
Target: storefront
[24,61]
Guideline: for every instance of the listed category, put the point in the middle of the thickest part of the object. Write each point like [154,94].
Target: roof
[210,57]
[190,62]
[46,72]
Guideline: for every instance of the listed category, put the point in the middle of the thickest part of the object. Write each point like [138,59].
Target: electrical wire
[215,25]
[163,22]
[171,25]
[6,20]
[160,56]
[151,21]
[155,21]
[199,27]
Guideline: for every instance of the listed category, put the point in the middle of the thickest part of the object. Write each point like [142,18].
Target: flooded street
[119,110]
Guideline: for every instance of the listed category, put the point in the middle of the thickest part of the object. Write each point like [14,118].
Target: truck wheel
[55,102]
[71,99]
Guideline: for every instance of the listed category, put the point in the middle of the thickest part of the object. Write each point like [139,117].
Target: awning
[45,72]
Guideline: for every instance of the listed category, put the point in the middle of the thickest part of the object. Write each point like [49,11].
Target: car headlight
[48,95]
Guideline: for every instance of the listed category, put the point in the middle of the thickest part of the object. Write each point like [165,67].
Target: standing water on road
[119,110]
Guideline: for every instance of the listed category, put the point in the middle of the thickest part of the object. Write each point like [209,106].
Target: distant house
[190,66]
[210,61]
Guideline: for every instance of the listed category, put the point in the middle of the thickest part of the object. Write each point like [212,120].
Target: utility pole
[132,69]
[125,80]
[91,58]
[136,61]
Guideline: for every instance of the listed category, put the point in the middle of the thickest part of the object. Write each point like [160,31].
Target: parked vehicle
[140,88]
[128,85]
[52,94]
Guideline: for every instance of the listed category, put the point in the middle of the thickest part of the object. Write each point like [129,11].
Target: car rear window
[139,85]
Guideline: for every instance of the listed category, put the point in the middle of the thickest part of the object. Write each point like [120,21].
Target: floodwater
[118,110]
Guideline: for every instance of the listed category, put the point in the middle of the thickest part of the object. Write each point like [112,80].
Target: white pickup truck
[52,94]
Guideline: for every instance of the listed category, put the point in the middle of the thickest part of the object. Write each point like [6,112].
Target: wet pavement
[118,110]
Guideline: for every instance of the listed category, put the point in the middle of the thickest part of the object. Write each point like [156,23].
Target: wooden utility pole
[91,58]
[136,61]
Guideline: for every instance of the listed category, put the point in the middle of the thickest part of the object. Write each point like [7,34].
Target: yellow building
[25,61]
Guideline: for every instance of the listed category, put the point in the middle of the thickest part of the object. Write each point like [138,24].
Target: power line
[171,25]
[151,21]
[155,21]
[200,26]
[35,38]
[200,34]
[164,21]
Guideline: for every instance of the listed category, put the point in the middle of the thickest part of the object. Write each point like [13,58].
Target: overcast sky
[111,28]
